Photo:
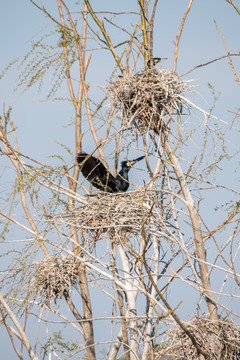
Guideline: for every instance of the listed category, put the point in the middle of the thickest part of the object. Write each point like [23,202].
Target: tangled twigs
[110,213]
[150,94]
[54,275]
[207,333]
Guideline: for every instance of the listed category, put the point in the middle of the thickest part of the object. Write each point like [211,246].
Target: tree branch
[179,35]
[24,338]
[106,36]
[228,54]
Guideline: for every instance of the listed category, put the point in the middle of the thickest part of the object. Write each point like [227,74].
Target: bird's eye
[130,163]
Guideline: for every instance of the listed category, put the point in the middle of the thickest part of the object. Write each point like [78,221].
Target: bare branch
[231,2]
[229,57]
[179,35]
[24,338]
[106,36]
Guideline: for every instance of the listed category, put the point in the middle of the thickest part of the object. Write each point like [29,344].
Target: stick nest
[54,275]
[111,213]
[148,96]
[208,335]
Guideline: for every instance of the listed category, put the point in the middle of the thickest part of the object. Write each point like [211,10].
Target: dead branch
[231,2]
[106,36]
[24,338]
[208,63]
[228,54]
[179,35]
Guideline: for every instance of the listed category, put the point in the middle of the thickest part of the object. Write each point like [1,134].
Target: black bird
[97,174]
[154,61]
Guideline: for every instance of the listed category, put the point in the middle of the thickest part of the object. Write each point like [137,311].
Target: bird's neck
[122,180]
[123,174]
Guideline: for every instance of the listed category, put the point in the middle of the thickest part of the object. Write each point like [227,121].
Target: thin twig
[106,36]
[179,35]
[24,338]
[50,16]
[231,2]
[144,20]
[228,54]
[207,63]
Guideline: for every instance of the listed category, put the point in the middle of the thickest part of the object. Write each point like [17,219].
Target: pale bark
[24,338]
[198,239]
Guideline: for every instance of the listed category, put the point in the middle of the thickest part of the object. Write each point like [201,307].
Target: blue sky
[22,23]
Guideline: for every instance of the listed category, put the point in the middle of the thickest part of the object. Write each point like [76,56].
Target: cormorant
[154,61]
[97,174]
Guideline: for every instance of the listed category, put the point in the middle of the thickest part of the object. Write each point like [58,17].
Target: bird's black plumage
[97,174]
[154,61]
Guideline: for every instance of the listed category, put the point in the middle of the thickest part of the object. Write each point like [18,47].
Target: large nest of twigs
[112,214]
[148,96]
[209,336]
[54,275]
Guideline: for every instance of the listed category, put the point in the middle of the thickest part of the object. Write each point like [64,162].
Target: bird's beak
[132,162]
[157,60]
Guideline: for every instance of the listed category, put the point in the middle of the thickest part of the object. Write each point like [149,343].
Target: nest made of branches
[111,213]
[54,275]
[209,335]
[149,95]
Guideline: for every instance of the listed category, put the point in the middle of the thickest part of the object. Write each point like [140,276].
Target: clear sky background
[41,125]
[22,23]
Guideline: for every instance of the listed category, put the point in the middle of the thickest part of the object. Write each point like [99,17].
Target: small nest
[54,275]
[209,335]
[111,213]
[148,96]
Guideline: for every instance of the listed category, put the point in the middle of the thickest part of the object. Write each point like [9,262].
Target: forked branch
[24,338]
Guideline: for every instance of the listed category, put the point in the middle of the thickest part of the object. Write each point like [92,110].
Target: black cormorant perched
[97,174]
[154,61]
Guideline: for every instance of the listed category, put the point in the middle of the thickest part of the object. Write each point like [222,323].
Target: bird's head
[154,61]
[129,163]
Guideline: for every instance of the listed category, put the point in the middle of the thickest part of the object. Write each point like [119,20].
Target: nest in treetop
[54,275]
[112,214]
[148,96]
[209,335]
